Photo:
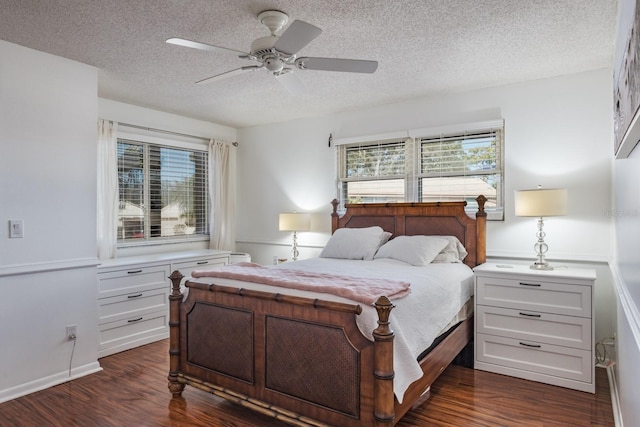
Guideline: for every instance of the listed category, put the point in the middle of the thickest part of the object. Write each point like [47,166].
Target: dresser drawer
[188,266]
[133,304]
[535,295]
[132,332]
[536,358]
[568,331]
[134,279]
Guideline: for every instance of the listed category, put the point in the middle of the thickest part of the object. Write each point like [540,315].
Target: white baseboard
[50,381]
[629,314]
[615,399]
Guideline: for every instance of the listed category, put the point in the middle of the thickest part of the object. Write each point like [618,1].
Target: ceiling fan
[278,54]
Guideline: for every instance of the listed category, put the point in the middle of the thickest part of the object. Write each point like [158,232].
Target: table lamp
[295,222]
[541,203]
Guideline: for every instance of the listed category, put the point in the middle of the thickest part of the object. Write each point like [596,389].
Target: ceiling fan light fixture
[273,63]
[285,70]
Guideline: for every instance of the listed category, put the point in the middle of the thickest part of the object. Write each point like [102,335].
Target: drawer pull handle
[530,345]
[134,271]
[537,285]
[203,262]
[140,318]
[139,295]
[529,314]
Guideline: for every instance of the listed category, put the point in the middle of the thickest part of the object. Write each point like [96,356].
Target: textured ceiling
[424,47]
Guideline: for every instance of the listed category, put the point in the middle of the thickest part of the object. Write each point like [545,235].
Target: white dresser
[133,296]
[536,325]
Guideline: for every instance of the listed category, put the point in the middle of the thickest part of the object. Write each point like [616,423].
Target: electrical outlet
[71,332]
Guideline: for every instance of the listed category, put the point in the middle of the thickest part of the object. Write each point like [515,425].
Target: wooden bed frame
[304,361]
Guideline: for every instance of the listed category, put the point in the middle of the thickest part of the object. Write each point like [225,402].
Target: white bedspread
[438,292]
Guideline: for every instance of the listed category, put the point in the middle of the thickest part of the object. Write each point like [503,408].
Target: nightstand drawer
[568,331]
[531,293]
[497,353]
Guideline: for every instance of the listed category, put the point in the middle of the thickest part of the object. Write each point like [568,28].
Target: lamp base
[294,248]
[541,248]
[541,266]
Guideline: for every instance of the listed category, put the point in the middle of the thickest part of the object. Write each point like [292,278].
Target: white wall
[558,133]
[282,168]
[626,262]
[48,108]
[154,119]
[626,268]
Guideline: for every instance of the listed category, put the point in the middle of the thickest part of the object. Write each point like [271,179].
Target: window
[163,192]
[374,172]
[460,167]
[429,165]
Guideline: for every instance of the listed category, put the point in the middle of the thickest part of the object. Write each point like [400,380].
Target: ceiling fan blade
[336,64]
[298,35]
[228,74]
[202,46]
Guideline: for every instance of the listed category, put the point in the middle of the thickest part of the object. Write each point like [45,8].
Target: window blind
[163,192]
[462,166]
[372,172]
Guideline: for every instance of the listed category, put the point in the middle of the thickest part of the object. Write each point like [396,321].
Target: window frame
[170,141]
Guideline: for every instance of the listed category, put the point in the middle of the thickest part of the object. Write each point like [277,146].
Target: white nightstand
[536,325]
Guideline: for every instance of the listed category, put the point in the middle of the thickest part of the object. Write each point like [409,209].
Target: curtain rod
[234,143]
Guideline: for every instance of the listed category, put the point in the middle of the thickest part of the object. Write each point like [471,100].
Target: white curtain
[222,195]
[107,207]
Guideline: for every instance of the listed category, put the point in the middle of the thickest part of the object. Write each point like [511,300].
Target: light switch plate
[16,228]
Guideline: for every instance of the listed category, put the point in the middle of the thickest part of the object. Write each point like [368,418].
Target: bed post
[481,231]
[334,215]
[175,299]
[383,404]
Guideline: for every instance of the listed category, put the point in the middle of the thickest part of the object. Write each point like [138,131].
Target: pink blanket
[364,290]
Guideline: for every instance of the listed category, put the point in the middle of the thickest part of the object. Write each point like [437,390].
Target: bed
[305,360]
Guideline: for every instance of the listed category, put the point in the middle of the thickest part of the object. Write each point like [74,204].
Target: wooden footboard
[300,360]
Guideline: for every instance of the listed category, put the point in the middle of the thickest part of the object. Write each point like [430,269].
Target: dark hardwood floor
[132,391]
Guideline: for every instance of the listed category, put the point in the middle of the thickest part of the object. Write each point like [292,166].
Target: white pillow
[414,250]
[453,252]
[354,243]
[384,238]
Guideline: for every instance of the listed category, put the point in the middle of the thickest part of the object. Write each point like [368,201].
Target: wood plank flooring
[132,391]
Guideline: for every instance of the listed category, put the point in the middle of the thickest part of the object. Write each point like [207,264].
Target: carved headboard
[409,219]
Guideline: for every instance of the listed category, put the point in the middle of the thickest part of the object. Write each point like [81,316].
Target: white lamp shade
[541,202]
[295,222]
